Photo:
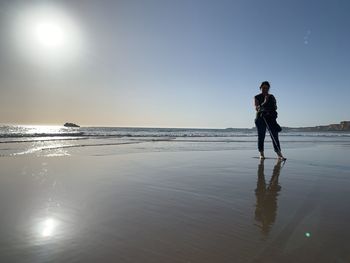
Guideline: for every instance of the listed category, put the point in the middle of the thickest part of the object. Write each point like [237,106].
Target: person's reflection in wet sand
[266,198]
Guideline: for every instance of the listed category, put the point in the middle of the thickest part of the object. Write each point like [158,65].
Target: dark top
[269,107]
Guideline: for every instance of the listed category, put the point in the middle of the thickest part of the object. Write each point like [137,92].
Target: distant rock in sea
[69,124]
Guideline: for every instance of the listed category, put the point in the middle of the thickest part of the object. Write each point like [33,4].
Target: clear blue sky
[182,63]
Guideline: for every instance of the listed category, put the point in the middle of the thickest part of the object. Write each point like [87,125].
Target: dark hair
[265,83]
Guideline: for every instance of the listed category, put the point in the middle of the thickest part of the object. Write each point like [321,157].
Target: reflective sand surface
[181,206]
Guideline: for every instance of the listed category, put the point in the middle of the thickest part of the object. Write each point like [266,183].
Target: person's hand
[266,98]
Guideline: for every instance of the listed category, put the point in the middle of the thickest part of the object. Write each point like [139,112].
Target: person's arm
[266,98]
[274,102]
[256,104]
[259,106]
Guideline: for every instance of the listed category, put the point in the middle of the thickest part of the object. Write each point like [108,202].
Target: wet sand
[179,206]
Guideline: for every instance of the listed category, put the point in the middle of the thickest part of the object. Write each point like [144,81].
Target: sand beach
[169,201]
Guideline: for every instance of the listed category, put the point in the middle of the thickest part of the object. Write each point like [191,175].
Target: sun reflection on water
[48,146]
[44,129]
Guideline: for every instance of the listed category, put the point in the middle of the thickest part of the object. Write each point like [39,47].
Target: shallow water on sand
[132,205]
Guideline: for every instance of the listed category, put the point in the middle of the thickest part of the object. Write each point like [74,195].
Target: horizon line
[160,127]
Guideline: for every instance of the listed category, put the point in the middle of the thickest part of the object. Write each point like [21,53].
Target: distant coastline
[343,126]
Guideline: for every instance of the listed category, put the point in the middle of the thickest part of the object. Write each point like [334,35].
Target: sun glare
[47,34]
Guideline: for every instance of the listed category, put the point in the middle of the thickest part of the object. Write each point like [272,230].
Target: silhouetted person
[266,197]
[266,115]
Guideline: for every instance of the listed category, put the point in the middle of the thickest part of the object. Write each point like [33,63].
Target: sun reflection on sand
[54,227]
[48,227]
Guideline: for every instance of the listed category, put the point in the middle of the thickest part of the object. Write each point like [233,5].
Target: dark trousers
[261,127]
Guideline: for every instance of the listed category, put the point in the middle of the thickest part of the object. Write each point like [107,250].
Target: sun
[47,34]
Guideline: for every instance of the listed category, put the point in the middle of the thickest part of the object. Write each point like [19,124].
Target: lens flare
[308,234]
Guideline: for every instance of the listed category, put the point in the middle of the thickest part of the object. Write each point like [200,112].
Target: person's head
[265,87]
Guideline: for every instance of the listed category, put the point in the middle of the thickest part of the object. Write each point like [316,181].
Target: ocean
[59,140]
